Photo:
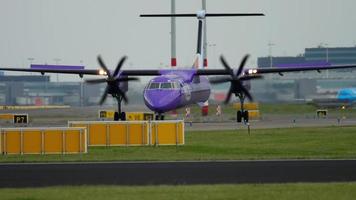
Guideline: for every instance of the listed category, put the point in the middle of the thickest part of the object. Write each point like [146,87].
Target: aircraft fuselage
[171,91]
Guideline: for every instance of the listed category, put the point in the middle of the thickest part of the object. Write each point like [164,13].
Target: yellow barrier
[43,140]
[139,116]
[15,118]
[6,116]
[132,133]
[254,114]
[247,106]
[115,133]
[106,114]
[167,133]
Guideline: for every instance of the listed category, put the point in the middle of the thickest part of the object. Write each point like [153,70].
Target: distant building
[335,56]
[295,87]
[313,56]
[28,78]
[265,62]
[1,73]
[38,90]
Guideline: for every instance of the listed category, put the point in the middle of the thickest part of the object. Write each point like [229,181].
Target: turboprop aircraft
[175,88]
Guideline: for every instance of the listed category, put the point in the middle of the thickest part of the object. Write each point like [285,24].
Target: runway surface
[156,173]
[60,117]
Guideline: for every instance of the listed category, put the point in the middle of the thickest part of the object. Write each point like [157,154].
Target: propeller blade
[119,65]
[227,67]
[247,93]
[103,66]
[103,97]
[250,77]
[228,97]
[242,65]
[220,80]
[125,79]
[94,81]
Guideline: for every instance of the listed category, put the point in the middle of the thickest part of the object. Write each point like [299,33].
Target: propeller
[113,80]
[236,80]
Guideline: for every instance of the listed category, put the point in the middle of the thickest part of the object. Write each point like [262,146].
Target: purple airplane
[176,88]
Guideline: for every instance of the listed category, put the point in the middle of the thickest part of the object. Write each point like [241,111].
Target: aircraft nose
[162,100]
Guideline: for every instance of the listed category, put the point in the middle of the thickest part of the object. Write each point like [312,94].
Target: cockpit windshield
[165,85]
[154,86]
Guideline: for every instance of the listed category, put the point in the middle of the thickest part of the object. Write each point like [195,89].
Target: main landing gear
[242,115]
[119,116]
[159,116]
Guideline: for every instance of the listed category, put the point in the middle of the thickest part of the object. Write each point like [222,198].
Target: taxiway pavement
[157,173]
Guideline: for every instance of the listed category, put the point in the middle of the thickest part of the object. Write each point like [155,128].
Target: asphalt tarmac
[60,117]
[173,173]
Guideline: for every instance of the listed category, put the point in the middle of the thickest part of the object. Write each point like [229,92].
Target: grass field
[330,191]
[283,143]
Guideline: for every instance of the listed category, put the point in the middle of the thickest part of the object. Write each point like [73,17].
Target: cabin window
[154,86]
[166,85]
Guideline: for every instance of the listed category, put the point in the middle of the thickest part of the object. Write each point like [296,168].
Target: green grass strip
[298,191]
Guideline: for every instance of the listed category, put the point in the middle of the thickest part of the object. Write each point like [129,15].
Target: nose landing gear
[242,114]
[159,116]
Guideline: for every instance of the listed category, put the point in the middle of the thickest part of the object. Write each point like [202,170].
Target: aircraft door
[187,92]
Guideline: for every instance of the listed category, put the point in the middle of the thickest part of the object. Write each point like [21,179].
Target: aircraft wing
[138,72]
[296,69]
[63,71]
[258,71]
[199,72]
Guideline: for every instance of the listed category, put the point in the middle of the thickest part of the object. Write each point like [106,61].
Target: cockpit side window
[154,86]
[175,85]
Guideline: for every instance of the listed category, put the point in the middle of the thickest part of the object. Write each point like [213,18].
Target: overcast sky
[76,31]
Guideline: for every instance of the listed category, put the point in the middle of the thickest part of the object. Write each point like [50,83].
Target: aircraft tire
[239,116]
[116,116]
[246,117]
[123,116]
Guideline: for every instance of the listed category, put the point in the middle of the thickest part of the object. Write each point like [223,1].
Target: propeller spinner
[236,80]
[113,80]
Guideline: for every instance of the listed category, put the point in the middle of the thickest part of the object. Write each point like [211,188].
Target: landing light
[252,71]
[102,72]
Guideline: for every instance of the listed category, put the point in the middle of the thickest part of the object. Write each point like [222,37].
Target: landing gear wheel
[159,116]
[245,116]
[239,116]
[116,116]
[123,116]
